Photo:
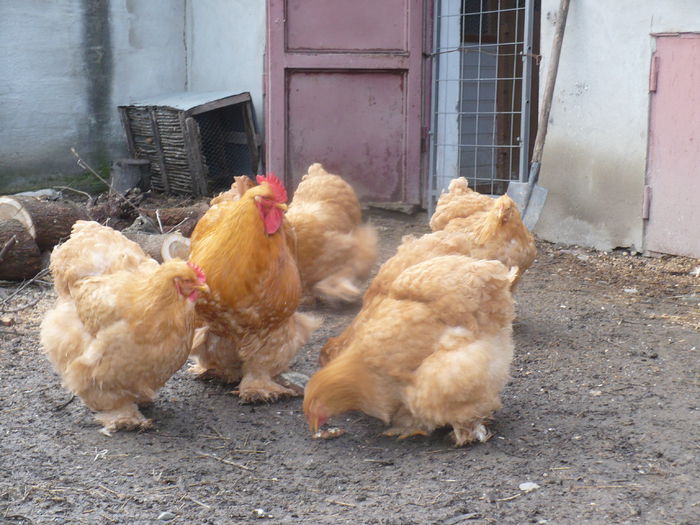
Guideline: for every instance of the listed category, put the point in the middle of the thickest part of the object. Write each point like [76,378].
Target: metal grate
[482,54]
[225,151]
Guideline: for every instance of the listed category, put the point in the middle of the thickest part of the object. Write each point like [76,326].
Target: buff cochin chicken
[122,324]
[335,250]
[432,349]
[494,226]
[249,329]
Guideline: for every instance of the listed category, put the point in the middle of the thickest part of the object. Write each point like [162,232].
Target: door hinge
[646,202]
[654,73]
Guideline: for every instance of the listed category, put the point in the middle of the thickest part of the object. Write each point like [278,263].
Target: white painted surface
[448,87]
[226,45]
[51,100]
[595,153]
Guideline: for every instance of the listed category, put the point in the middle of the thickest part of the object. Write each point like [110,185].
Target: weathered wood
[186,218]
[193,147]
[46,221]
[162,247]
[20,257]
[159,150]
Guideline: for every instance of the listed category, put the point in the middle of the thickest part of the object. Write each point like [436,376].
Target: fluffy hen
[335,251]
[122,324]
[494,227]
[432,349]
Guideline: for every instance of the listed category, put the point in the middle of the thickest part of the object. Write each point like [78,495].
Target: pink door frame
[673,166]
[295,51]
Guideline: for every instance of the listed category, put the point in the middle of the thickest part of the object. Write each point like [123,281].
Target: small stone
[166,516]
[528,486]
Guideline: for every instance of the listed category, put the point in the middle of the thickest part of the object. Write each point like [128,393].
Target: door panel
[344,88]
[333,25]
[673,172]
[380,134]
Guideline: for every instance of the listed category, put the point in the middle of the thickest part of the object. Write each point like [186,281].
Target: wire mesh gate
[481,97]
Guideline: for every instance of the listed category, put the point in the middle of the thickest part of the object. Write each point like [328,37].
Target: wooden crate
[195,142]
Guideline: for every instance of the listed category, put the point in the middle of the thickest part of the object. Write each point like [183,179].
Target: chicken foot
[261,388]
[404,433]
[126,417]
[463,435]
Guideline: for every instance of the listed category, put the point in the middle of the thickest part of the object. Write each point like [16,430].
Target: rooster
[335,251]
[122,324]
[433,349]
[250,328]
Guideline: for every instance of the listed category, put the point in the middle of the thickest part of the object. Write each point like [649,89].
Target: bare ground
[601,414]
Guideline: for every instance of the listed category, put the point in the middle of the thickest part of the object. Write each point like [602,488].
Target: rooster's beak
[282,206]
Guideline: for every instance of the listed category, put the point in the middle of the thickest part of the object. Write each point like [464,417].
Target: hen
[122,324]
[251,328]
[458,201]
[494,226]
[412,251]
[433,349]
[335,251]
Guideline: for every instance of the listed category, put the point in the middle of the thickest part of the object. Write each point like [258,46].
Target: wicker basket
[195,142]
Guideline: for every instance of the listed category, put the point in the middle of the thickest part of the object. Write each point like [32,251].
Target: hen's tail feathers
[459,186]
[335,289]
[365,256]
[460,383]
[316,169]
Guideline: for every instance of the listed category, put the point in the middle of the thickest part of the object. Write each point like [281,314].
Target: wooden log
[20,257]
[48,222]
[162,247]
[186,217]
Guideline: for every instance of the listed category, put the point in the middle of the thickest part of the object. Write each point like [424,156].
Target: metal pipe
[526,103]
[432,158]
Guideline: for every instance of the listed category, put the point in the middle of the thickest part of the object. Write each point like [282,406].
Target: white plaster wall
[39,81]
[51,98]
[595,153]
[149,49]
[225,48]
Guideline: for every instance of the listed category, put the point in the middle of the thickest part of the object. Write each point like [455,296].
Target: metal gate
[481,104]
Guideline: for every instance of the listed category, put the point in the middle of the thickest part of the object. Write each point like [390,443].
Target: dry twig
[222,460]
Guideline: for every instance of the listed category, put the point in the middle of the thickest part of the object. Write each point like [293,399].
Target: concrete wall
[66,65]
[225,48]
[595,154]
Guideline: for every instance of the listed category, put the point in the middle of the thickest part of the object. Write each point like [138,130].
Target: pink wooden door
[344,88]
[673,173]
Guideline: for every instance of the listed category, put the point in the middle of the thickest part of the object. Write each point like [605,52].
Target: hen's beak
[202,288]
[281,206]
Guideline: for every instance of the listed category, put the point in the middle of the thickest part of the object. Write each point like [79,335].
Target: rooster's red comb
[278,191]
[200,273]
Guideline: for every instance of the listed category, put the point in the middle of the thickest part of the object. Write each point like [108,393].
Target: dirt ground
[601,415]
